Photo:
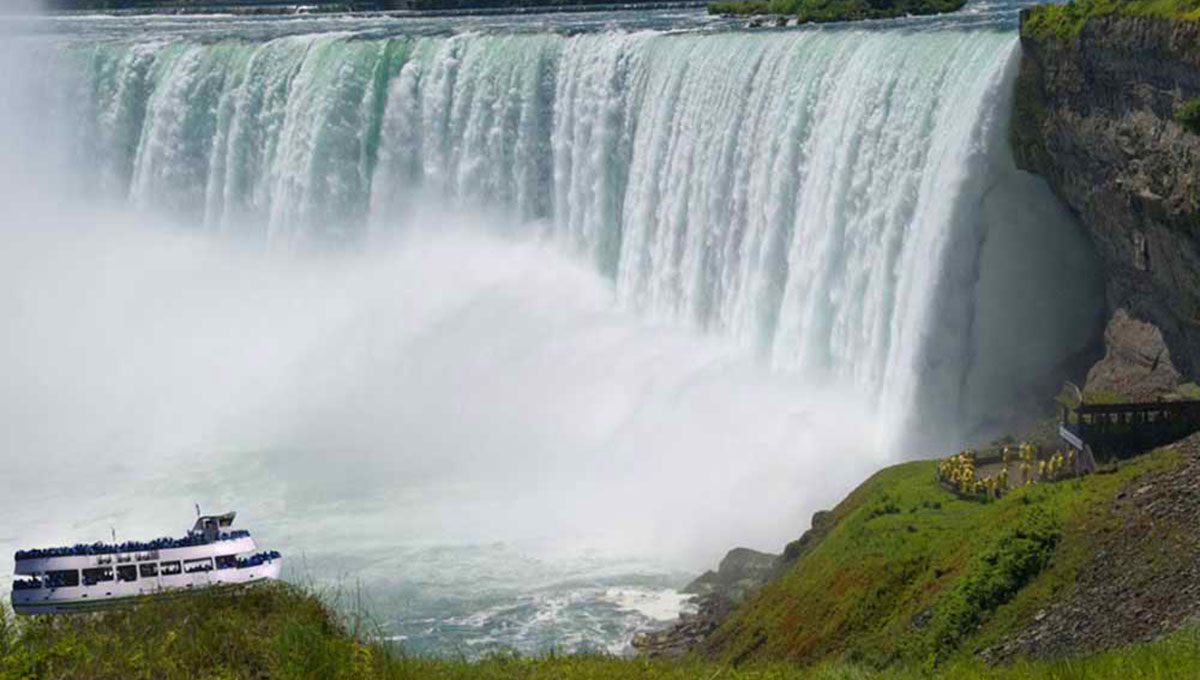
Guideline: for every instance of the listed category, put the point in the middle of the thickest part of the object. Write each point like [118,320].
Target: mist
[450,386]
[496,378]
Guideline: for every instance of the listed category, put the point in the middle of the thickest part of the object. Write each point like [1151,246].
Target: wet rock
[1094,115]
[688,632]
[1136,363]
[740,572]
[822,521]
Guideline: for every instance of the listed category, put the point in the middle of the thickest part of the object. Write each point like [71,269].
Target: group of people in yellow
[959,470]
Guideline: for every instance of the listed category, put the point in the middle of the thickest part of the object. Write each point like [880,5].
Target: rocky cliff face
[1094,114]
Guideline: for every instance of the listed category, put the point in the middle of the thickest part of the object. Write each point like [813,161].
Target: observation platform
[1121,430]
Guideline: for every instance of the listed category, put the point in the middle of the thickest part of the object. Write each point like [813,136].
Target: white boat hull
[85,598]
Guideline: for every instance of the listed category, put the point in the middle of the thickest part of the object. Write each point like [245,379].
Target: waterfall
[813,195]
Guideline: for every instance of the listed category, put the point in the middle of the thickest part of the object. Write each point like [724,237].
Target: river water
[511,324]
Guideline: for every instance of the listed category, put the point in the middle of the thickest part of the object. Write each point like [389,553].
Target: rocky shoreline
[716,594]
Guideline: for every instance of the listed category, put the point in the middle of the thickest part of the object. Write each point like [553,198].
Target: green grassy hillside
[913,576]
[282,632]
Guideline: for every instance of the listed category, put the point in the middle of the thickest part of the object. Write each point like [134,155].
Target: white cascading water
[795,191]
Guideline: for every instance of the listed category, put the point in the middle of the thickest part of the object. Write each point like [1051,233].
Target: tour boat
[85,577]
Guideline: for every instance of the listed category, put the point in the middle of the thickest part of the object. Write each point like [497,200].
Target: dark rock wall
[1094,115]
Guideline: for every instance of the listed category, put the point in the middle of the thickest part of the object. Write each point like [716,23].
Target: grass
[918,587]
[284,632]
[273,631]
[820,11]
[1065,21]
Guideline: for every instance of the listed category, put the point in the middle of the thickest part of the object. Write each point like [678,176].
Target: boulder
[740,572]
[1136,363]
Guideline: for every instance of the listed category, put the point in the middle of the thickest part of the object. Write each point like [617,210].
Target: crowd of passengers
[34,583]
[128,546]
[255,560]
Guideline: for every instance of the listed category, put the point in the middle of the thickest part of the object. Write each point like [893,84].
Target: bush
[885,506]
[996,576]
[1188,115]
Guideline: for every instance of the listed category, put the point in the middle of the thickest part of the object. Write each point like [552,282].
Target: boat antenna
[197,509]
[113,530]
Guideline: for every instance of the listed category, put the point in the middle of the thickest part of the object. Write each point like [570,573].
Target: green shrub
[1188,115]
[739,7]
[1065,21]
[885,506]
[998,573]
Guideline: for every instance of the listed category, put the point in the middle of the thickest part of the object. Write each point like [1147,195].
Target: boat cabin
[88,576]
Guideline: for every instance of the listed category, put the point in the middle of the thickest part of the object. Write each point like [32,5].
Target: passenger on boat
[128,546]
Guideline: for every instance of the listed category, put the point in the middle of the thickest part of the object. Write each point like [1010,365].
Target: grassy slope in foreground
[281,632]
[912,576]
[1066,20]
[820,11]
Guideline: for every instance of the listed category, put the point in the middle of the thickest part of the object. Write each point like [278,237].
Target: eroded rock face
[1136,363]
[1095,116]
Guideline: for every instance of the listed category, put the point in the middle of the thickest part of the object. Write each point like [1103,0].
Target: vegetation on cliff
[820,11]
[1066,20]
[1188,115]
[283,632]
[913,575]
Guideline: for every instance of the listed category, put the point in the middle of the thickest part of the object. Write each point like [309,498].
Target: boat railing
[106,549]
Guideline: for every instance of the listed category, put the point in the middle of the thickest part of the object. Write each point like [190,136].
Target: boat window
[226,561]
[193,566]
[169,568]
[97,575]
[127,572]
[65,578]
[149,569]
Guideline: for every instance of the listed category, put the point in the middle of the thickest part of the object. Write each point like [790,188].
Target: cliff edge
[1101,112]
